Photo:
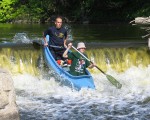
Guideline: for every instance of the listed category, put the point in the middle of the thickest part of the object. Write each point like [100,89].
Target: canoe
[75,82]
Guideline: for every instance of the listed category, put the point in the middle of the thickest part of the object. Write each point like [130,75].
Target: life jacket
[61,62]
[69,62]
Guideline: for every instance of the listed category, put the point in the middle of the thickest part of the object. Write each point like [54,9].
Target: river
[40,97]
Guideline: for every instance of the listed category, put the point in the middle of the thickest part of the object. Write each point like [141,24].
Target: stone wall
[8,107]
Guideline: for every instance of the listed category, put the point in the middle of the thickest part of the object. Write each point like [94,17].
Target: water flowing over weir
[42,98]
[120,59]
[20,61]
[27,60]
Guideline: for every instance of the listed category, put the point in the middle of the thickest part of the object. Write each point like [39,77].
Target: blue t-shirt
[57,36]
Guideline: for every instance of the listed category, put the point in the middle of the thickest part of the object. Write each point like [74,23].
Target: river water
[40,97]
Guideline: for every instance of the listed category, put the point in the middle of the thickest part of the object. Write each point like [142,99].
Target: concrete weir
[8,107]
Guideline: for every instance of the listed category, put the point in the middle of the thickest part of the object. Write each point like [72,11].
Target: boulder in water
[8,107]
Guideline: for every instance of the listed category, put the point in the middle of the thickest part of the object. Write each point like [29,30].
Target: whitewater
[42,98]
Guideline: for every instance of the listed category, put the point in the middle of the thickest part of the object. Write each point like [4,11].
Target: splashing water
[69,33]
[45,99]
[21,38]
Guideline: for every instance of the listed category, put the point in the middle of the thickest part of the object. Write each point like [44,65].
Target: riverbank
[8,106]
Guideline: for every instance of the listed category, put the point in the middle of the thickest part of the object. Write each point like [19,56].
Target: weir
[20,60]
[120,59]
[28,59]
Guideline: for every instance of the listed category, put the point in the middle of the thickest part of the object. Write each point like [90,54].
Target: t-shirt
[57,36]
[78,65]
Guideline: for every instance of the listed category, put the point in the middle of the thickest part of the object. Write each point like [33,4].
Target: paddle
[35,42]
[109,77]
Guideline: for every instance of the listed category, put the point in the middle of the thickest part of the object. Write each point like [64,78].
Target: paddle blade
[114,81]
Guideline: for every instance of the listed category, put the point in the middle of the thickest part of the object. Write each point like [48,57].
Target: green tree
[94,11]
[7,10]
[35,11]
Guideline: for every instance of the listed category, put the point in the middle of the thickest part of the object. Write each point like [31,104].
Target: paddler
[79,63]
[57,37]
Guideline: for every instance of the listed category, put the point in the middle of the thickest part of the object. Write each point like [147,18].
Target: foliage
[7,11]
[94,11]
[143,10]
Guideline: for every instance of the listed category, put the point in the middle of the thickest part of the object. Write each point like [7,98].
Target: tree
[7,11]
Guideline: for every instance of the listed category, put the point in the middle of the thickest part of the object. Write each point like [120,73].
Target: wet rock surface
[8,107]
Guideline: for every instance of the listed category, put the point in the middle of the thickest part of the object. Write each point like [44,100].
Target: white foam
[135,80]
[48,96]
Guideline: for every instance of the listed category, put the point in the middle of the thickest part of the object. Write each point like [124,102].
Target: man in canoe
[57,39]
[79,63]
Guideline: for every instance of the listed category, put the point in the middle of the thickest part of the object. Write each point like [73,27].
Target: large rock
[8,107]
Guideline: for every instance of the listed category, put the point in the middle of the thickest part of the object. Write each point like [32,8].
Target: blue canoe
[75,82]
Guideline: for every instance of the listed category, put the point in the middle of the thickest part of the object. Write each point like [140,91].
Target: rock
[8,107]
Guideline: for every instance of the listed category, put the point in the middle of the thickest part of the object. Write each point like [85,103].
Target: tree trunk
[142,20]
